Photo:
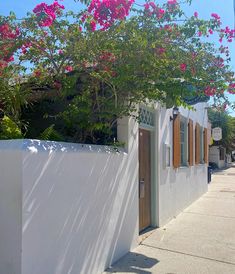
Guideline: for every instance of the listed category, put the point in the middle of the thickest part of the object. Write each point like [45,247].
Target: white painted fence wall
[10,207]
[71,208]
[178,188]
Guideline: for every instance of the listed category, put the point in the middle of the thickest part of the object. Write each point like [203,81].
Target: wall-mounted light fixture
[175,112]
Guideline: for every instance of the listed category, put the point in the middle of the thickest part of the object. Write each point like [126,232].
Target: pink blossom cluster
[210,91]
[47,13]
[152,9]
[8,35]
[172,5]
[230,33]
[216,16]
[106,12]
[105,61]
[107,57]
[6,32]
[183,67]
[37,73]
[219,62]
[25,47]
[231,88]
[69,68]
[172,2]
[160,51]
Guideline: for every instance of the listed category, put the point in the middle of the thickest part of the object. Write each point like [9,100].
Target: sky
[204,8]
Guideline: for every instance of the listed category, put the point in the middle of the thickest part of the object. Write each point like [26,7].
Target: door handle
[141,189]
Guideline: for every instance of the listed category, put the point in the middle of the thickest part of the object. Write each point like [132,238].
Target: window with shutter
[176,142]
[197,144]
[183,141]
[201,145]
[190,142]
[205,146]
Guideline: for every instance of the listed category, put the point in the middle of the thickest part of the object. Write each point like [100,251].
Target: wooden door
[144,179]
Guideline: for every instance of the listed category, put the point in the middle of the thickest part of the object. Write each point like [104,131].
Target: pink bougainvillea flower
[168,28]
[68,68]
[93,25]
[23,50]
[195,14]
[172,5]
[199,33]
[60,51]
[46,14]
[6,32]
[172,2]
[210,31]
[231,88]
[216,16]
[210,91]
[37,73]
[183,67]
[8,59]
[219,62]
[160,51]
[160,13]
[107,57]
[106,12]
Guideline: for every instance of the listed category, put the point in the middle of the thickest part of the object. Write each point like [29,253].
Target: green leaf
[9,129]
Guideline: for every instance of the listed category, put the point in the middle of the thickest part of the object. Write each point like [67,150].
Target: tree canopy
[100,62]
[222,119]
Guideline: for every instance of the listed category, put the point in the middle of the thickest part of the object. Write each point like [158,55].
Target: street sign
[217,133]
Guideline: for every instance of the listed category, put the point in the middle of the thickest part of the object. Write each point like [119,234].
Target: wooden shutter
[197,144]
[176,142]
[205,146]
[190,142]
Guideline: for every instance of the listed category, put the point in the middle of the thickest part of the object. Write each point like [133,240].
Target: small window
[146,117]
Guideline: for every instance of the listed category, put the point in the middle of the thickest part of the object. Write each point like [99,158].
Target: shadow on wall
[80,208]
[134,263]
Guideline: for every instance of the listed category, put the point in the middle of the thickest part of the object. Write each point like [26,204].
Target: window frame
[184,145]
[202,146]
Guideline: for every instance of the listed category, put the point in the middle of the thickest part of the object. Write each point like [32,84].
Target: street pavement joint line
[187,254]
[210,215]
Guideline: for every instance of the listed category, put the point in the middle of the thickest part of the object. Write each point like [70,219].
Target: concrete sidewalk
[200,240]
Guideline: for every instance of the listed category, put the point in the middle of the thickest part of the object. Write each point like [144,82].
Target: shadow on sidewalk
[133,263]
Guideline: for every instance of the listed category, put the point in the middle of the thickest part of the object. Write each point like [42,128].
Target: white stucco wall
[10,207]
[214,156]
[79,206]
[178,188]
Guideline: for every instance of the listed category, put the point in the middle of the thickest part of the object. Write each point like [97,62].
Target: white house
[217,155]
[72,208]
